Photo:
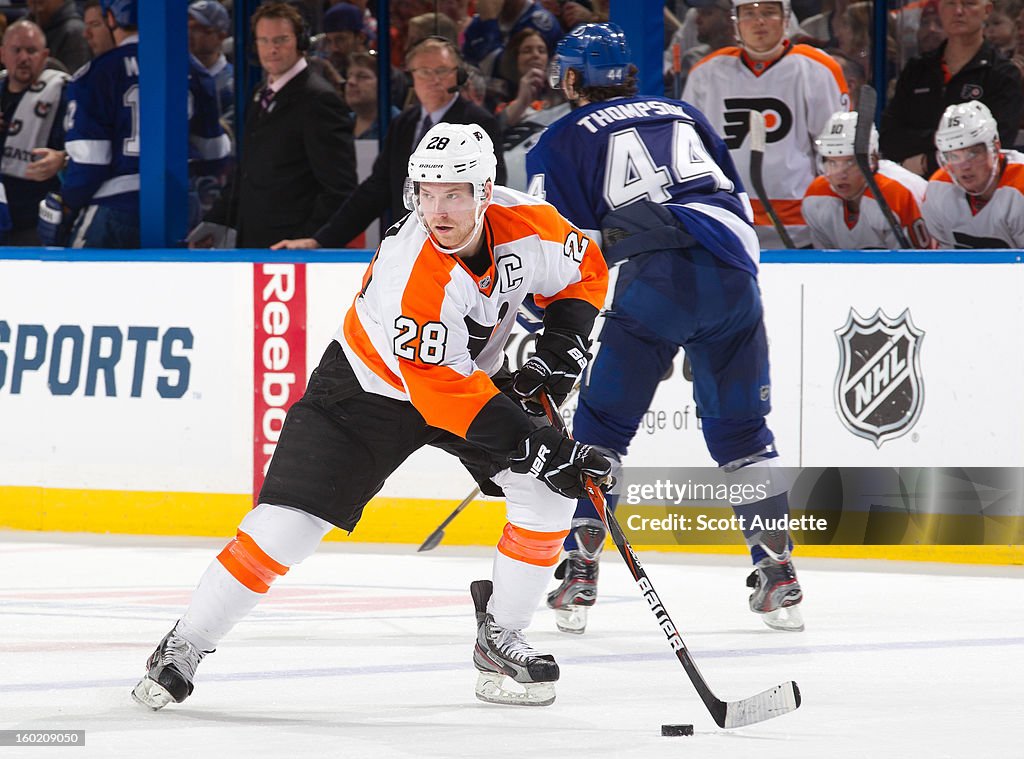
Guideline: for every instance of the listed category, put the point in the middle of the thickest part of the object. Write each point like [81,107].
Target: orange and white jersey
[426,329]
[833,226]
[955,221]
[797,93]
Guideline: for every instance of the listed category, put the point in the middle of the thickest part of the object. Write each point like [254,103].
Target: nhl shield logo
[879,390]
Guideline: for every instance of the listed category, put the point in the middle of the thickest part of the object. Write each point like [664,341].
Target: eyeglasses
[770,12]
[433,74]
[280,41]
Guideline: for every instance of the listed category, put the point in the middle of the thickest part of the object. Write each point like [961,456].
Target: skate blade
[490,687]
[572,619]
[151,694]
[786,618]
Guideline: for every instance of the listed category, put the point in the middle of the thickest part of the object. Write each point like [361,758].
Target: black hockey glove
[560,463]
[558,362]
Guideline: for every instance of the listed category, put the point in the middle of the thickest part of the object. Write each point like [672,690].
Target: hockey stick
[728,714]
[861,146]
[757,143]
[434,539]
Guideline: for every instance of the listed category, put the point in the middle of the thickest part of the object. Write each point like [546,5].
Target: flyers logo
[778,119]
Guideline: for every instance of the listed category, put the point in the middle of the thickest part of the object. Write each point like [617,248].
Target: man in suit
[437,75]
[298,162]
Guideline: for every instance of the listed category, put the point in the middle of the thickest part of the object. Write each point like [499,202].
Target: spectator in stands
[715,30]
[32,103]
[840,210]
[361,95]
[572,13]
[496,21]
[976,200]
[820,29]
[97,35]
[1001,26]
[796,87]
[930,33]
[101,181]
[535,106]
[526,61]
[208,27]
[435,66]
[431,24]
[965,67]
[343,35]
[458,12]
[299,161]
[64,29]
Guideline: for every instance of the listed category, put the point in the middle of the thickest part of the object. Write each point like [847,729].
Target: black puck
[677,729]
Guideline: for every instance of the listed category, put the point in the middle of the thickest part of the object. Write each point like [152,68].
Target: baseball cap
[210,13]
[343,17]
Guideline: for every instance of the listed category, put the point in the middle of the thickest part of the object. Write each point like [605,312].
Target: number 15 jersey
[604,156]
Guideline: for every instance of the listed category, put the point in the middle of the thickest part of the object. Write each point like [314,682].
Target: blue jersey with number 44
[102,126]
[605,156]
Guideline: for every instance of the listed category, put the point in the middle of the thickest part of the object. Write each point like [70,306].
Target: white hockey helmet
[966,124]
[963,126]
[452,153]
[784,3]
[837,138]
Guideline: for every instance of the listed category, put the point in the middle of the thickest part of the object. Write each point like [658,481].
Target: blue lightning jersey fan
[102,127]
[646,148]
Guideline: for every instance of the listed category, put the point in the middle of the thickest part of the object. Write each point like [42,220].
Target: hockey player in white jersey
[796,87]
[419,360]
[976,198]
[839,207]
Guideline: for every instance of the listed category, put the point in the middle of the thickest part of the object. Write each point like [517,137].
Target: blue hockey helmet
[598,51]
[126,12]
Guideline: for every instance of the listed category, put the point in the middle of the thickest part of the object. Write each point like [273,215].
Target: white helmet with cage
[964,126]
[452,153]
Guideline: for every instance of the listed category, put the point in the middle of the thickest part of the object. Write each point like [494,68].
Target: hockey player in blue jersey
[101,181]
[652,173]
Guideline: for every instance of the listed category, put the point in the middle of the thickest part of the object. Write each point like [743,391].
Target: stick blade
[774,702]
[433,541]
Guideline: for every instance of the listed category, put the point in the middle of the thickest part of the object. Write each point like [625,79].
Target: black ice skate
[777,592]
[172,668]
[578,572]
[502,654]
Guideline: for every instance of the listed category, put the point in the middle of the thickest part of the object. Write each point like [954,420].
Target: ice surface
[366,652]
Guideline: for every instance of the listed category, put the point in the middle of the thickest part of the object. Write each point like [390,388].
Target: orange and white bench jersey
[832,226]
[955,221]
[426,329]
[797,93]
